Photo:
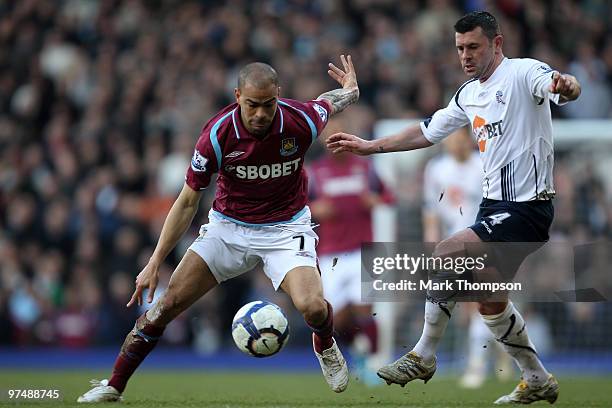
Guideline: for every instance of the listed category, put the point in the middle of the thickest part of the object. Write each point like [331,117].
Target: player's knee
[439,249]
[491,308]
[448,247]
[313,308]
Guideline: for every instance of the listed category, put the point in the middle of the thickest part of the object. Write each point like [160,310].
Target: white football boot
[100,392]
[524,394]
[334,367]
[407,368]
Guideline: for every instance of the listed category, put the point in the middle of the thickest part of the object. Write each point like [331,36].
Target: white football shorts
[342,281]
[231,248]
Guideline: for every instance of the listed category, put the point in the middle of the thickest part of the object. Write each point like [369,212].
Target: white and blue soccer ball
[260,329]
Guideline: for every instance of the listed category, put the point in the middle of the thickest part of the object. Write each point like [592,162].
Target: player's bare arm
[410,138]
[178,220]
[567,86]
[349,93]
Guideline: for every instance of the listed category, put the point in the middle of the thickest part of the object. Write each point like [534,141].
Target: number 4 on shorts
[498,218]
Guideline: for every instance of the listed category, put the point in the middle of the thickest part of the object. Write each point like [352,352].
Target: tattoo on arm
[380,149]
[340,98]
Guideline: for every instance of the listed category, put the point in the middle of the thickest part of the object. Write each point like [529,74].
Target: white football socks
[437,316]
[508,327]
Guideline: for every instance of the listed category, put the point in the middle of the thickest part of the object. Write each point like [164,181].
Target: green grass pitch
[251,389]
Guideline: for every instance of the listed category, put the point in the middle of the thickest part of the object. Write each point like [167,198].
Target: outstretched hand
[345,142]
[146,279]
[347,77]
[565,85]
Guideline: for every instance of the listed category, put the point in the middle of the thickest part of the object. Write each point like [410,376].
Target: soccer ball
[260,329]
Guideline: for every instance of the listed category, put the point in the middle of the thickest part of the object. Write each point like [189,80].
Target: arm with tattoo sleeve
[340,98]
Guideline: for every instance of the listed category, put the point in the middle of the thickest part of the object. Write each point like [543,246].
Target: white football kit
[511,121]
[231,249]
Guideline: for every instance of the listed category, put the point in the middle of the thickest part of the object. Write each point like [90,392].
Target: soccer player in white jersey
[259,217]
[452,189]
[507,103]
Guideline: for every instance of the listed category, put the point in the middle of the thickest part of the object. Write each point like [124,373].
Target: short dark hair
[482,19]
[257,74]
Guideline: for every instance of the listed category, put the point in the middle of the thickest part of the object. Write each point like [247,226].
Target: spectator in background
[591,205]
[591,72]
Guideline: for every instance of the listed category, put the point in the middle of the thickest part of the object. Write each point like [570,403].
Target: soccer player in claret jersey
[259,216]
[506,102]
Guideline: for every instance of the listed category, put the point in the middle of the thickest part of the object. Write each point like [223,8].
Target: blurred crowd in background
[101,103]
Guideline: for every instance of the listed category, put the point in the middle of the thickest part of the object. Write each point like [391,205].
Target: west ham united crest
[288,147]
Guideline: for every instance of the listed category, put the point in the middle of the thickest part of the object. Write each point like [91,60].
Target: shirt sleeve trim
[461,89]
[214,139]
[424,131]
[313,128]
